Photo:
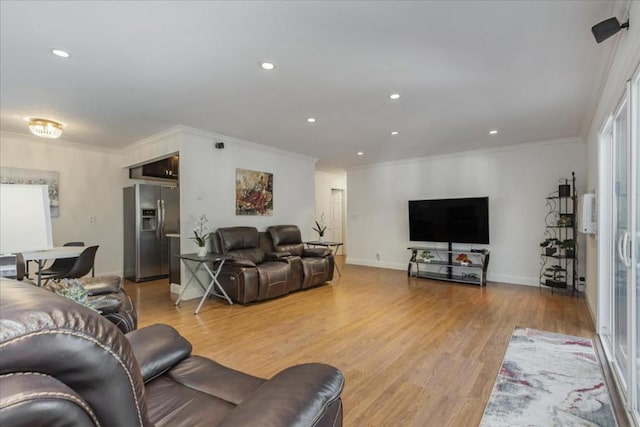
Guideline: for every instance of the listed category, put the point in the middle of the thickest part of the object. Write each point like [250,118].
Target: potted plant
[426,256]
[565,221]
[549,246]
[320,228]
[201,235]
[555,277]
[569,247]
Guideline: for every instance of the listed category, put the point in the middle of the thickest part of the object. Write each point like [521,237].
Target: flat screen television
[449,220]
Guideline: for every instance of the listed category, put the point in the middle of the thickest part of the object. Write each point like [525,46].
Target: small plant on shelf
[565,221]
[426,256]
[549,246]
[555,277]
[569,247]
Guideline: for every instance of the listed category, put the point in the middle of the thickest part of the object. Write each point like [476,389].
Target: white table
[201,262]
[54,253]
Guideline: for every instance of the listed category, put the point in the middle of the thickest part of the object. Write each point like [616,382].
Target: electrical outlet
[92,218]
[378,256]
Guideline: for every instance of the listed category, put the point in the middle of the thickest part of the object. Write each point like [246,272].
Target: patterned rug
[549,379]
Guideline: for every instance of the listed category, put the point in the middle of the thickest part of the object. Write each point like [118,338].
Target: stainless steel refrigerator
[150,213]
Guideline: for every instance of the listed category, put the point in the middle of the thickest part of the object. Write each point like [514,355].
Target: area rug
[549,379]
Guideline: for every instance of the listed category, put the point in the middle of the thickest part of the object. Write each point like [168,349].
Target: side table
[335,245]
[201,263]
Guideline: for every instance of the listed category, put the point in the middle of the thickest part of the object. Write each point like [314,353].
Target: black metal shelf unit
[452,265]
[559,250]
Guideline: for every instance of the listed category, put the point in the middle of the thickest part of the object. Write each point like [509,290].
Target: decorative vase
[321,239]
[202,251]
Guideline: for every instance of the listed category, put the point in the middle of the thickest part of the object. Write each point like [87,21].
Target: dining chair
[81,267]
[61,265]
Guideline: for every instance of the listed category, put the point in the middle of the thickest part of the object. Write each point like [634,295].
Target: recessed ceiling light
[394,96]
[60,53]
[493,132]
[394,132]
[267,66]
[311,120]
[360,153]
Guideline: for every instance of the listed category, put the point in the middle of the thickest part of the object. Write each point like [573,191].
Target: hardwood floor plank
[414,352]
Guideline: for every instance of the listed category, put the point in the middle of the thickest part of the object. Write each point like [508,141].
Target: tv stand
[432,260]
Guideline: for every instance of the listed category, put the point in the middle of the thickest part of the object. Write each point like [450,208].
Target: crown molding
[512,147]
[217,137]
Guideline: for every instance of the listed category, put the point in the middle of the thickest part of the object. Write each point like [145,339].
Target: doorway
[336,218]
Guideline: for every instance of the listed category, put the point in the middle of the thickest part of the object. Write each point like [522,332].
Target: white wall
[624,61]
[517,179]
[207,183]
[90,185]
[325,182]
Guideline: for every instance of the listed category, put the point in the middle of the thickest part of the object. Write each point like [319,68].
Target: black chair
[82,266]
[61,265]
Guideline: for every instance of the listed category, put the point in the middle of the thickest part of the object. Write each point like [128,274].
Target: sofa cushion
[286,238]
[234,238]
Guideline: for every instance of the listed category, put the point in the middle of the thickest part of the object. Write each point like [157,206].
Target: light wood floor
[414,352]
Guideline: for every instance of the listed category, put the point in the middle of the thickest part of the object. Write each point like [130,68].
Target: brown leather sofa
[63,364]
[115,304]
[259,270]
[254,274]
[317,263]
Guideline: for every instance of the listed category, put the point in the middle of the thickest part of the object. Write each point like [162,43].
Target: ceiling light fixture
[60,53]
[360,153]
[311,120]
[45,128]
[493,132]
[607,28]
[394,132]
[267,66]
[394,96]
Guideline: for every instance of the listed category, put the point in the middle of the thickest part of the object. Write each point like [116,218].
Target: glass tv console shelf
[453,265]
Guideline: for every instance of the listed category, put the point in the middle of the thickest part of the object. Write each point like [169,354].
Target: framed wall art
[254,193]
[37,177]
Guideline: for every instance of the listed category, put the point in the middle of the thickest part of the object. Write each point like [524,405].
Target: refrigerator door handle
[158,220]
[162,233]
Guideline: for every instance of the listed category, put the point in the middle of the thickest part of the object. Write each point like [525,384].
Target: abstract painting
[254,193]
[38,177]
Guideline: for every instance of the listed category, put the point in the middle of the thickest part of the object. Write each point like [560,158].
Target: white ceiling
[528,68]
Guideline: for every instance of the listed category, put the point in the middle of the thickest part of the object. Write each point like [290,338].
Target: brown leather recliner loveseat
[261,270]
[64,364]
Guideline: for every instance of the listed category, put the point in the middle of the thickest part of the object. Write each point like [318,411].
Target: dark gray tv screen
[449,220]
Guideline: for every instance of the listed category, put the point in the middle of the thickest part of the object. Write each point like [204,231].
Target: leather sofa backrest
[286,238]
[74,345]
[241,242]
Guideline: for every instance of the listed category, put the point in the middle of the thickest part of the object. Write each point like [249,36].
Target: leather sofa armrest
[299,395]
[157,349]
[240,262]
[316,252]
[32,398]
[277,256]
